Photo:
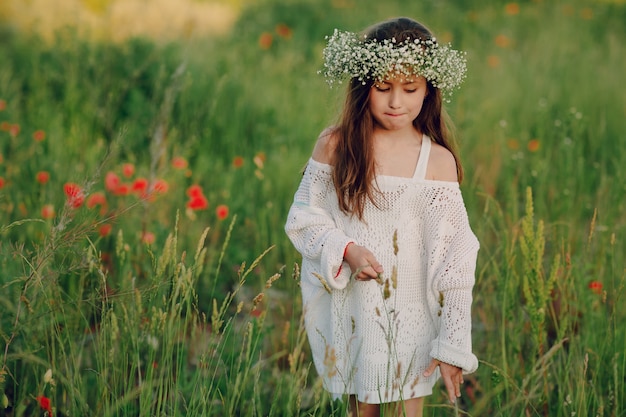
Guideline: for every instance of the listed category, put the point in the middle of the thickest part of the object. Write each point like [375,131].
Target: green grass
[178,326]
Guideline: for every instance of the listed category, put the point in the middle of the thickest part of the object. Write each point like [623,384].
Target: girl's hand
[452,377]
[363,264]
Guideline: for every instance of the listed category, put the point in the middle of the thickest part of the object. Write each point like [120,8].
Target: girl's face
[397,101]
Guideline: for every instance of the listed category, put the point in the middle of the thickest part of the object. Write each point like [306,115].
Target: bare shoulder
[441,164]
[325,146]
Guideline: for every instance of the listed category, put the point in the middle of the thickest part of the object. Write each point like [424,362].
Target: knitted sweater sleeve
[452,249]
[313,230]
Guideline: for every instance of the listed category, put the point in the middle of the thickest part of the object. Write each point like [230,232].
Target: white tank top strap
[422,161]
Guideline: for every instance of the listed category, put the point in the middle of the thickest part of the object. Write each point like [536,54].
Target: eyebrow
[403,83]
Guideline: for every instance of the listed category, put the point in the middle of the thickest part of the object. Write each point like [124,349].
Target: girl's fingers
[431,368]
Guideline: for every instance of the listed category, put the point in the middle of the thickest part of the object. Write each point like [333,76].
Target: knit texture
[371,339]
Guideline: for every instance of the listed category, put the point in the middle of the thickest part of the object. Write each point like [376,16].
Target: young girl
[388,254]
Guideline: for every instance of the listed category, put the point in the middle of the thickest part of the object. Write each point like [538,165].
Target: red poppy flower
[221,211]
[533,145]
[104,229]
[43,177]
[198,202]
[195,191]
[140,186]
[96,199]
[148,238]
[44,403]
[3,105]
[123,189]
[238,162]
[595,287]
[160,186]
[39,135]
[178,162]
[111,181]
[283,31]
[128,170]
[2,182]
[5,126]
[14,130]
[74,194]
[265,40]
[511,9]
[47,211]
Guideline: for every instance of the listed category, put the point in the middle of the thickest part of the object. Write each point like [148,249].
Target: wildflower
[511,9]
[47,211]
[198,202]
[595,287]
[178,162]
[265,40]
[39,135]
[128,170]
[568,10]
[533,145]
[586,13]
[259,160]
[44,403]
[197,199]
[74,194]
[122,189]
[5,126]
[160,186]
[140,186]
[283,31]
[3,182]
[3,105]
[493,61]
[96,199]
[14,130]
[47,377]
[111,181]
[346,55]
[105,229]
[238,162]
[194,191]
[513,144]
[503,41]
[42,177]
[221,211]
[148,238]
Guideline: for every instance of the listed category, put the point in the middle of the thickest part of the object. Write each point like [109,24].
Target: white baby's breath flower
[347,56]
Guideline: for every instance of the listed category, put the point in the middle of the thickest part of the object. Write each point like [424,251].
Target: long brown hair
[354,170]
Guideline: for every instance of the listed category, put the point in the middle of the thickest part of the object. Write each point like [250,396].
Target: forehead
[400,78]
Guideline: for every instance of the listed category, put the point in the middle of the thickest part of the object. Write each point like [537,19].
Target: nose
[394,99]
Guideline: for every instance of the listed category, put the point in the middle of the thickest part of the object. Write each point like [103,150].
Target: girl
[388,254]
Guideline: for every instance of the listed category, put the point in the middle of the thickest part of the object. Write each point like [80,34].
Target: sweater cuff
[337,270]
[453,355]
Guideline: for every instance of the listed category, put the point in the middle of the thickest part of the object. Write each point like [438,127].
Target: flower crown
[347,56]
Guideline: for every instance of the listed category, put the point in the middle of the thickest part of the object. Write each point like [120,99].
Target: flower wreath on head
[347,56]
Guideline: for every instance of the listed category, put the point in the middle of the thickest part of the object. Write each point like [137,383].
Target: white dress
[376,339]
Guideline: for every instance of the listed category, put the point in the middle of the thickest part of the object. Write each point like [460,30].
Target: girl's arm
[452,249]
[311,226]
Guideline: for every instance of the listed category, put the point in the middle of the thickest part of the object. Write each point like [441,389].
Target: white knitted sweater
[372,341]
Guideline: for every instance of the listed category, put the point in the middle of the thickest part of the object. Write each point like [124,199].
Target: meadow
[145,181]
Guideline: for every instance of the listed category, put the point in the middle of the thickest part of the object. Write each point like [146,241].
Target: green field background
[141,304]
